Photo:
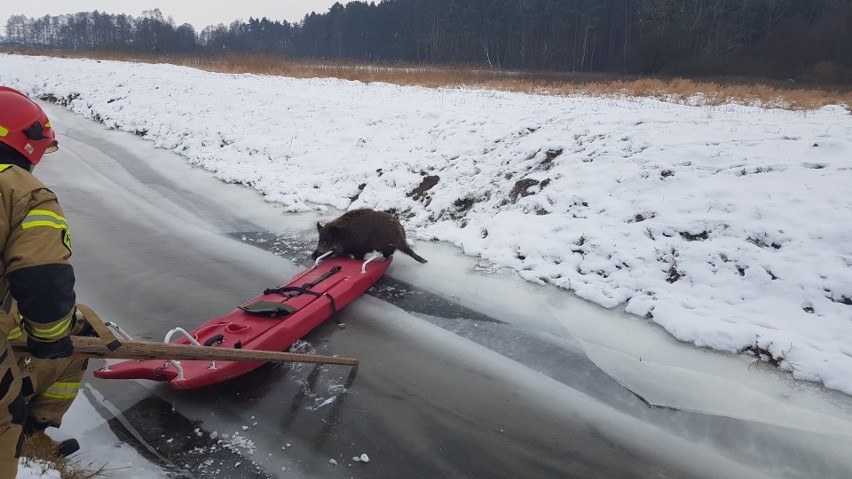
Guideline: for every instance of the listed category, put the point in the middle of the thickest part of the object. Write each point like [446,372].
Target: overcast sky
[199,13]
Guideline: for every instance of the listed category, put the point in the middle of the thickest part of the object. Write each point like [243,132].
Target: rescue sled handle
[93,348]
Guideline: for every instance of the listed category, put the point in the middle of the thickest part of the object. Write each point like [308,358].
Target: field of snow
[730,226]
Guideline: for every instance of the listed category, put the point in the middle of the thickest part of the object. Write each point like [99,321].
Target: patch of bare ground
[788,94]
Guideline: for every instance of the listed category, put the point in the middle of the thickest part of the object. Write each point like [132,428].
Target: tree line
[773,38]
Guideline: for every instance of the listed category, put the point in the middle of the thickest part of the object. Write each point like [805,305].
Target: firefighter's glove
[52,350]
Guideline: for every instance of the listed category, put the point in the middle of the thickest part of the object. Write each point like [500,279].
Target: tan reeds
[776,94]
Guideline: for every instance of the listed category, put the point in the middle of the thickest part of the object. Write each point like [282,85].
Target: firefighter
[35,245]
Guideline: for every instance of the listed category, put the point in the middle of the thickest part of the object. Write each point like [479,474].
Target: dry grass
[40,452]
[777,94]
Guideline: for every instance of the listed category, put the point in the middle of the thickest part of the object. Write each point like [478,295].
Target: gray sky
[199,13]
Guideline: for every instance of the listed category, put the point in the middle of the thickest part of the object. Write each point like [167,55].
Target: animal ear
[319,226]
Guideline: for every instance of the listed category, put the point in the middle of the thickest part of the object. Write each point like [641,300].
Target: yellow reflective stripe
[56,331]
[15,333]
[62,390]
[43,218]
[4,131]
[5,167]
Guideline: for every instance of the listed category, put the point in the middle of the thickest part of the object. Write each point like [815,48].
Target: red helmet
[24,125]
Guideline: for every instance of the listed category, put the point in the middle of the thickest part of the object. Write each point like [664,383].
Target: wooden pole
[91,347]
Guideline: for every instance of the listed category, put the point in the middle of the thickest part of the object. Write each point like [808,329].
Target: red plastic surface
[259,332]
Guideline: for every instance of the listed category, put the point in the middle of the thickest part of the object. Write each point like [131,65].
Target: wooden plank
[88,347]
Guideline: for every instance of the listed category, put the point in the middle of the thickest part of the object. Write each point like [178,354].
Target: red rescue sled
[270,322]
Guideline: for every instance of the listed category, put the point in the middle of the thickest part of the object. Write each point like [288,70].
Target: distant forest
[767,38]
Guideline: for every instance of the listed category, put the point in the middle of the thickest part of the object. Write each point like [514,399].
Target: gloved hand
[53,350]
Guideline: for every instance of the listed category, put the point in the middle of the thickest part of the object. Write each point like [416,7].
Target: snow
[36,469]
[729,226]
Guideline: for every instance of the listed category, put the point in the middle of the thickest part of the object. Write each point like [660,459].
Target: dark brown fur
[359,232]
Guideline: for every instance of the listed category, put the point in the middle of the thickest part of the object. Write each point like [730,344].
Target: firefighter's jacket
[36,247]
